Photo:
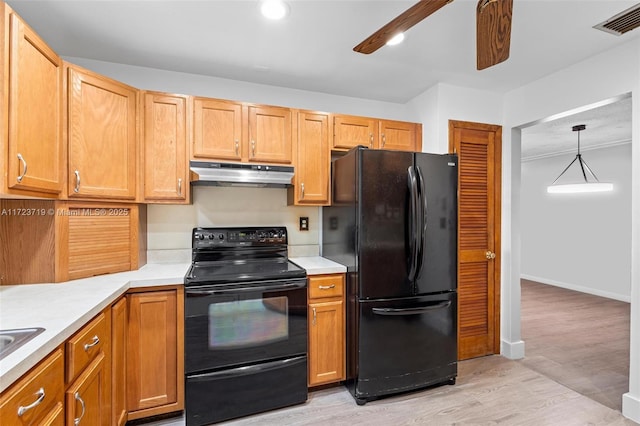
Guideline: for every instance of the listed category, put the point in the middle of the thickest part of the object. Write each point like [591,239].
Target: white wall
[443,102]
[578,241]
[604,76]
[200,85]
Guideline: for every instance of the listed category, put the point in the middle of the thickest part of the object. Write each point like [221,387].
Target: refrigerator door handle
[411,311]
[422,214]
[414,222]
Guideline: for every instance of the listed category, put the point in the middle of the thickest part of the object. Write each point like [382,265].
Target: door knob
[490,255]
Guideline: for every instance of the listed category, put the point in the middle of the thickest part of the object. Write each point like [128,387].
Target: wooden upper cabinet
[164,150]
[35,146]
[217,130]
[350,131]
[270,134]
[313,165]
[398,135]
[101,136]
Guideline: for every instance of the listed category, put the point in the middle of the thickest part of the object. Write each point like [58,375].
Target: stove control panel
[230,237]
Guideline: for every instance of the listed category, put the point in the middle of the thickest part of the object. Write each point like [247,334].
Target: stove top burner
[238,255]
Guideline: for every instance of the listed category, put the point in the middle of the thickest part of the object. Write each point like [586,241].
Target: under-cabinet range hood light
[234,174]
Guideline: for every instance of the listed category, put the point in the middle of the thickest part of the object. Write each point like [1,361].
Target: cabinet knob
[76,421]
[24,168]
[490,255]
[24,409]
[77,188]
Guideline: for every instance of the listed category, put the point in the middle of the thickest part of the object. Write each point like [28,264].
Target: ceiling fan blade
[493,35]
[401,23]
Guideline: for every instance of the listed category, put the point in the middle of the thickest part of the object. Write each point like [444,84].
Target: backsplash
[169,226]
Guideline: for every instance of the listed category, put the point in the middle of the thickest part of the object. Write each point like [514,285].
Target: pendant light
[593,185]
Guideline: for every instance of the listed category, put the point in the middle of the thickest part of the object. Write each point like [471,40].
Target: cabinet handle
[237,147]
[371,140]
[24,168]
[179,186]
[326,287]
[384,140]
[314,315]
[22,410]
[76,421]
[302,190]
[253,148]
[77,188]
[94,342]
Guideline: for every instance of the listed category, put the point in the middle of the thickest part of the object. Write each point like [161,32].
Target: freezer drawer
[405,344]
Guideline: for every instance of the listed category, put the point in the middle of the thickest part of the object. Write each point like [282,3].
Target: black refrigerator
[393,223]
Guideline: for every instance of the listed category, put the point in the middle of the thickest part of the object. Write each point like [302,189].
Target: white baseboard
[512,350]
[582,289]
[631,407]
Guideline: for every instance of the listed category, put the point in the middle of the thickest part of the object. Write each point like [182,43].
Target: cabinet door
[217,130]
[102,136]
[118,362]
[164,147]
[398,135]
[270,134]
[155,367]
[87,399]
[326,342]
[35,161]
[313,164]
[350,131]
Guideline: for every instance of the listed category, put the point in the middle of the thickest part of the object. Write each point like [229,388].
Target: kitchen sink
[10,340]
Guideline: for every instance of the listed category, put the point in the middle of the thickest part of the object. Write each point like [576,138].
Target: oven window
[246,323]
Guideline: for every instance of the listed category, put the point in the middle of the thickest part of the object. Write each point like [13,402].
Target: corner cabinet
[102,136]
[33,105]
[326,329]
[165,163]
[313,166]
[155,352]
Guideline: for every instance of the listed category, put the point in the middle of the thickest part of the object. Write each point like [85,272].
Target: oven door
[236,324]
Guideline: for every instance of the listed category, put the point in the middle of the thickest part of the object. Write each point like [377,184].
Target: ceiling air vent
[622,22]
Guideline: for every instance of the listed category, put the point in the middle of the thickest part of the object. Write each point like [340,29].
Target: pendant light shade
[589,185]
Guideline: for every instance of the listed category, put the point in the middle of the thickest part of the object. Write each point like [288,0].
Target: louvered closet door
[478,146]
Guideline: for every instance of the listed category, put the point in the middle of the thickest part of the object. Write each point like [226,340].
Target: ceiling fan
[493,29]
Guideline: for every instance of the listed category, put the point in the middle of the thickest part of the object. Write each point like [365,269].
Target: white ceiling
[312,48]
[607,125]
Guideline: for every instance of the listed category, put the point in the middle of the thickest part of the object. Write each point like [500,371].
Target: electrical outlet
[304,223]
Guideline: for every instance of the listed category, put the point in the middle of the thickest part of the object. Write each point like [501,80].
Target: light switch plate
[304,223]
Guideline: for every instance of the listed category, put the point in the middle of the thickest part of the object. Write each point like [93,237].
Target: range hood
[234,174]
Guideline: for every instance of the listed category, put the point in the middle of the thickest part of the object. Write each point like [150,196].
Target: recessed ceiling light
[274,9]
[396,39]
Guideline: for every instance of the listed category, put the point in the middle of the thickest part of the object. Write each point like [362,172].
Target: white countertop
[63,308]
[316,265]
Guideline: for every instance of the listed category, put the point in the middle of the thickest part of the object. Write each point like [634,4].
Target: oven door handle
[265,288]
[247,370]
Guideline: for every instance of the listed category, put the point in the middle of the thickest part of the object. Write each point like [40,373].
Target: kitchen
[170,226]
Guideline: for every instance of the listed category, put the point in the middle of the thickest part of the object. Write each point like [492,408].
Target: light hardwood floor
[497,391]
[579,340]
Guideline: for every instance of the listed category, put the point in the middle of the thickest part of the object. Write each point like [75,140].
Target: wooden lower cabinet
[88,398]
[326,329]
[155,352]
[119,362]
[36,398]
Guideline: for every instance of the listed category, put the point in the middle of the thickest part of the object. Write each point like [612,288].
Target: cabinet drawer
[321,286]
[85,345]
[35,395]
